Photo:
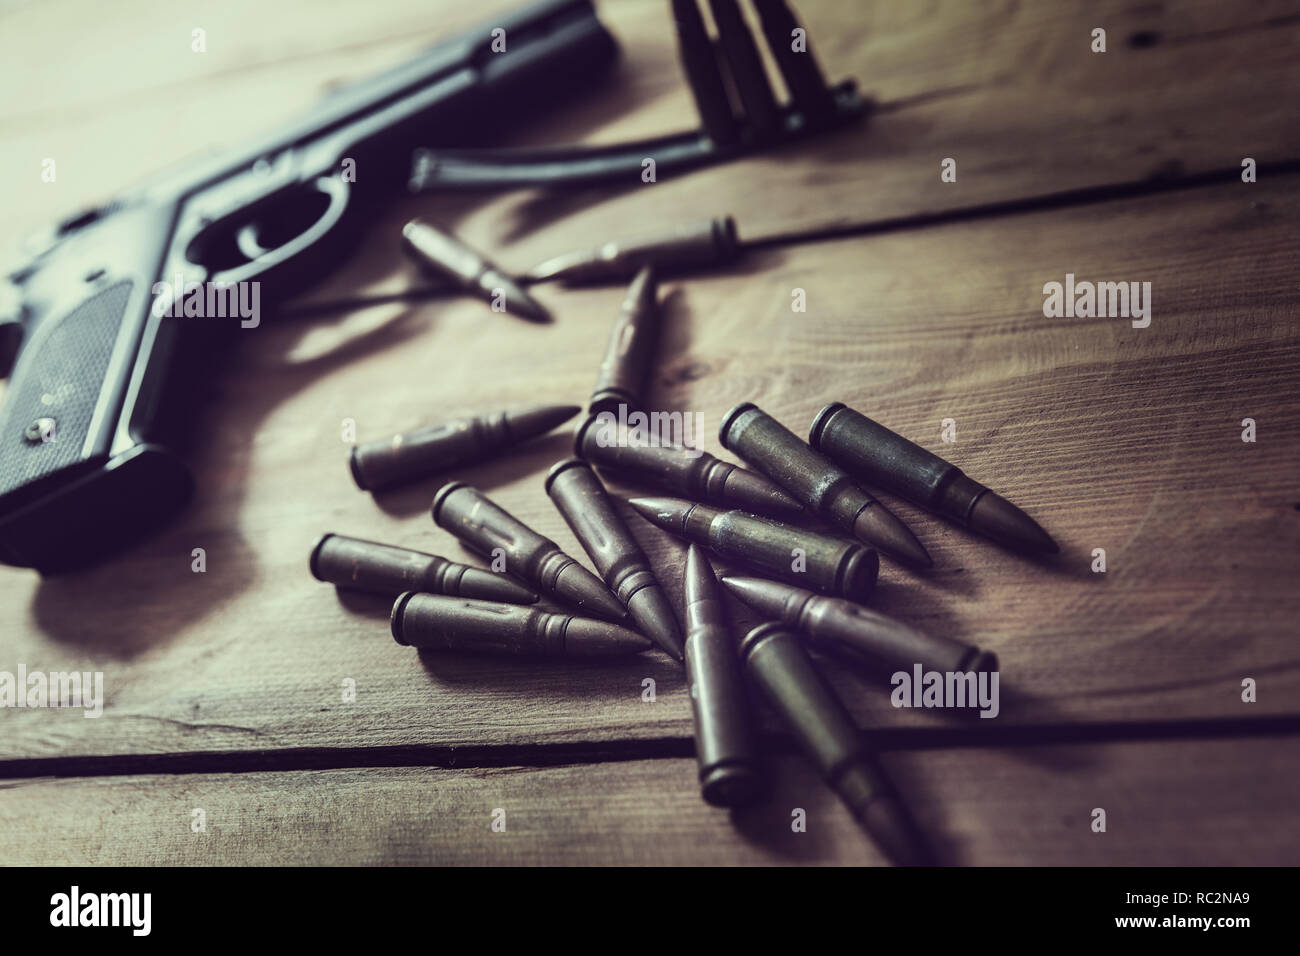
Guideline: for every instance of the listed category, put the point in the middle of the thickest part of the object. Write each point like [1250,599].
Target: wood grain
[992,807]
[1120,438]
[1011,91]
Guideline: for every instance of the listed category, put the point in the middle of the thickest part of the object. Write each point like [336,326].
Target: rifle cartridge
[866,637]
[827,490]
[437,449]
[438,622]
[385,569]
[485,527]
[885,459]
[776,661]
[807,558]
[632,344]
[726,747]
[587,507]
[689,471]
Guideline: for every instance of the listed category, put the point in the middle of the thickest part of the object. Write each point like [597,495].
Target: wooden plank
[1121,438]
[1221,803]
[1012,92]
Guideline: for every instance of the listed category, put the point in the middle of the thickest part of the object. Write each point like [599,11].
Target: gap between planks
[1043,202]
[831,231]
[618,751]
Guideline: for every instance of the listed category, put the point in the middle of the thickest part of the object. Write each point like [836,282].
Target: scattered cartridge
[632,345]
[485,527]
[738,48]
[809,94]
[700,64]
[885,459]
[710,243]
[726,747]
[384,569]
[855,633]
[825,488]
[776,661]
[436,622]
[807,558]
[582,500]
[437,449]
[442,254]
[688,471]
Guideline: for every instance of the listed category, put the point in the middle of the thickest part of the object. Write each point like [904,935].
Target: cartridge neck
[547,564]
[441,576]
[697,521]
[957,496]
[708,476]
[841,501]
[797,607]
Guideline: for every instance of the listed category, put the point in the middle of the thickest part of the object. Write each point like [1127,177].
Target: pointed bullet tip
[557,267]
[665,637]
[735,584]
[764,596]
[528,423]
[914,555]
[610,608]
[647,278]
[876,526]
[997,518]
[517,302]
[583,589]
[700,580]
[750,491]
[527,308]
[693,559]
[664,512]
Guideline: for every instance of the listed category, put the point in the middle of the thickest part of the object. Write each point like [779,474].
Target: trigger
[249,243]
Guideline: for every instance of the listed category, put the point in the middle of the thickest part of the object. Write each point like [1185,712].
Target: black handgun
[86,464]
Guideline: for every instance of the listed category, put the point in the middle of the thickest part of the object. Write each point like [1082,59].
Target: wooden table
[1123,690]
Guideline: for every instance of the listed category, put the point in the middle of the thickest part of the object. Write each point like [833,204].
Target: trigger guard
[261,259]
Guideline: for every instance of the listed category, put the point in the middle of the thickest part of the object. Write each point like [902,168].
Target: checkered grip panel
[62,382]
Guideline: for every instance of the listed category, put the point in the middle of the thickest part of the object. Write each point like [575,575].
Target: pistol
[100,317]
